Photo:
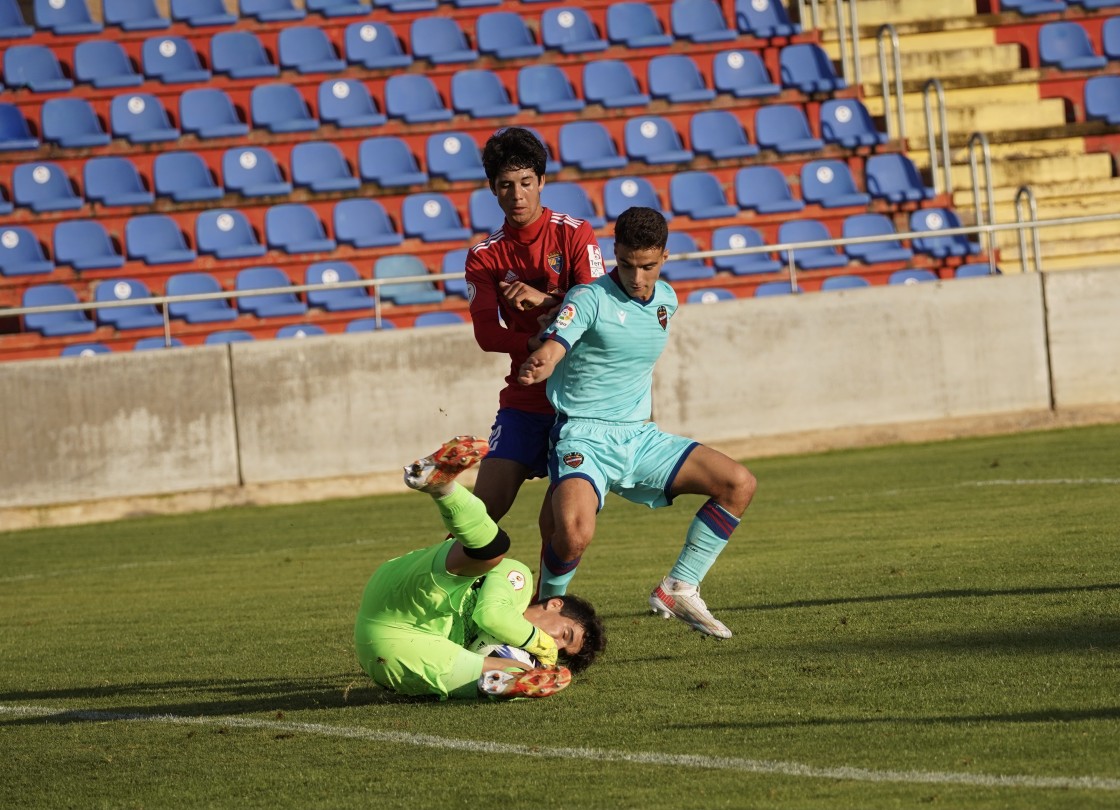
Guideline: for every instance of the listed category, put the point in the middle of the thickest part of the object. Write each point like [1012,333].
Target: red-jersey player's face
[519,196]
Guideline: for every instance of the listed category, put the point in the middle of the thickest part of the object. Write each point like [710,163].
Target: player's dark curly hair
[594,634]
[510,149]
[641,228]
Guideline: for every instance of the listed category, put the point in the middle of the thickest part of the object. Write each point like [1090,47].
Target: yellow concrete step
[914,43]
[987,117]
[1052,264]
[1063,248]
[1021,171]
[878,12]
[1097,195]
[960,61]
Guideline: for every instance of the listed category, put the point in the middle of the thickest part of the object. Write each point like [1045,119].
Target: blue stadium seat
[84,350]
[974,270]
[224,336]
[307,49]
[15,132]
[1065,43]
[338,8]
[431,217]
[405,6]
[240,55]
[138,316]
[368,325]
[440,41]
[67,17]
[156,239]
[739,237]
[321,166]
[388,161]
[141,118]
[764,189]
[104,63]
[184,177]
[895,178]
[699,21]
[862,225]
[634,24]
[809,258]
[440,318]
[454,156]
[588,145]
[70,123]
[55,324]
[156,343]
[570,198]
[227,234]
[374,45]
[253,172]
[1102,98]
[201,13]
[21,254]
[267,305]
[34,67]
[210,310]
[272,10]
[845,121]
[546,88]
[742,74]
[911,276]
[420,291]
[676,78]
[479,93]
[12,24]
[844,281]
[684,269]
[936,219]
[298,331]
[611,83]
[720,135]
[172,60]
[504,35]
[709,295]
[829,183]
[296,228]
[483,211]
[279,107]
[766,19]
[652,139]
[454,261]
[6,206]
[569,29]
[209,112]
[785,129]
[620,193]
[111,180]
[43,186]
[363,222]
[337,299]
[348,103]
[699,195]
[1110,38]
[414,98]
[1031,8]
[806,67]
[134,15]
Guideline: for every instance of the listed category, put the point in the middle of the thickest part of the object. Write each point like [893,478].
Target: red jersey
[552,255]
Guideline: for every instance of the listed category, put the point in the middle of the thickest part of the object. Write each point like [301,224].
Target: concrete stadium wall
[334,409]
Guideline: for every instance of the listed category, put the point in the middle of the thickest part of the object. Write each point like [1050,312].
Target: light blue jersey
[612,343]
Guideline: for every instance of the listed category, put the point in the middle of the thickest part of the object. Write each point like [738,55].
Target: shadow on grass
[208,698]
[1054,715]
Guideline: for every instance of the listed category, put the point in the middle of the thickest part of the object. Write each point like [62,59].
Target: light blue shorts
[634,460]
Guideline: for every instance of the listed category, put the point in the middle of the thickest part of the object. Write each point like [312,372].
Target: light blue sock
[555,573]
[707,535]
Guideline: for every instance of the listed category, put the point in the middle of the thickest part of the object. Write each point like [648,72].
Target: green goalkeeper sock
[465,517]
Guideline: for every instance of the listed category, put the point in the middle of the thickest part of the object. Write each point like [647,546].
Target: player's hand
[519,295]
[527,374]
[543,648]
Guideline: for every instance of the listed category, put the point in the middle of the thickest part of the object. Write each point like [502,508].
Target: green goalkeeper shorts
[411,662]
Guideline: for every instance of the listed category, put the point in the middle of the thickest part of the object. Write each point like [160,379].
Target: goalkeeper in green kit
[422,611]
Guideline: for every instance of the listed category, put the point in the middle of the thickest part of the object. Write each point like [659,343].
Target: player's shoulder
[665,292]
[491,242]
[566,222]
[516,574]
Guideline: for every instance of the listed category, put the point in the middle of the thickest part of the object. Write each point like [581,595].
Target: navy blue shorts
[522,436]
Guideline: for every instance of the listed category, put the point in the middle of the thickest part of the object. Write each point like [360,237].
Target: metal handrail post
[939,92]
[986,153]
[1027,193]
[843,38]
[896,64]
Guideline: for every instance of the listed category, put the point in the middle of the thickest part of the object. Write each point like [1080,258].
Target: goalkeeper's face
[519,196]
[565,631]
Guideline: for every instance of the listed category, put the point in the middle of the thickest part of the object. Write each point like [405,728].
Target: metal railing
[852,76]
[938,92]
[980,140]
[1027,193]
[888,30]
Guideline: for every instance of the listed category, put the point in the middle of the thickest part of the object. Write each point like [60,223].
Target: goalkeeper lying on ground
[420,612]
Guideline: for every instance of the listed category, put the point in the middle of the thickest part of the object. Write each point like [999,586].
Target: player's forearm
[491,336]
[541,363]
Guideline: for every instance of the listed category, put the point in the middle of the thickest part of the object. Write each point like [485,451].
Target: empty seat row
[1031,8]
[1066,44]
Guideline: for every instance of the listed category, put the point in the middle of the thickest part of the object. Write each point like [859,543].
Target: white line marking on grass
[779,768]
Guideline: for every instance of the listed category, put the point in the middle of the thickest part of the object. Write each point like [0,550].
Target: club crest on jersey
[556,262]
[573,460]
[663,317]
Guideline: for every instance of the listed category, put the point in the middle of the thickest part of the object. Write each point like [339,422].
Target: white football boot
[682,599]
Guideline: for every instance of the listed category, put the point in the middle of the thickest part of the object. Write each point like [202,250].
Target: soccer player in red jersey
[516,276]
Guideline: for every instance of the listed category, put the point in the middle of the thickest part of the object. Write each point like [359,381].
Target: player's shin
[556,573]
[707,535]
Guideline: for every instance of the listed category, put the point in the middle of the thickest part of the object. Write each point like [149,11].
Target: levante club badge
[663,317]
[573,460]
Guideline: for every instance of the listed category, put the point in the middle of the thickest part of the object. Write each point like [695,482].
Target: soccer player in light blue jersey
[598,357]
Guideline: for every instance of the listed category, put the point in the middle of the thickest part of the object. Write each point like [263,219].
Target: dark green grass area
[949,609]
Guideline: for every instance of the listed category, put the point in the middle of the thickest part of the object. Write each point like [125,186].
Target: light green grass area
[912,624]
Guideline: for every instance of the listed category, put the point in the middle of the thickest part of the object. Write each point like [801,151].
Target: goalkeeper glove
[543,648]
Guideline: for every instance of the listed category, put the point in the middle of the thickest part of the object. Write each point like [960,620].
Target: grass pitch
[934,624]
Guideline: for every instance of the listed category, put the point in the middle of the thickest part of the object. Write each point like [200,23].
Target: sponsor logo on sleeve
[564,319]
[470,292]
[595,258]
[516,580]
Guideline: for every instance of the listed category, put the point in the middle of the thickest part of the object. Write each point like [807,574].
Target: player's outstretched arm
[540,364]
